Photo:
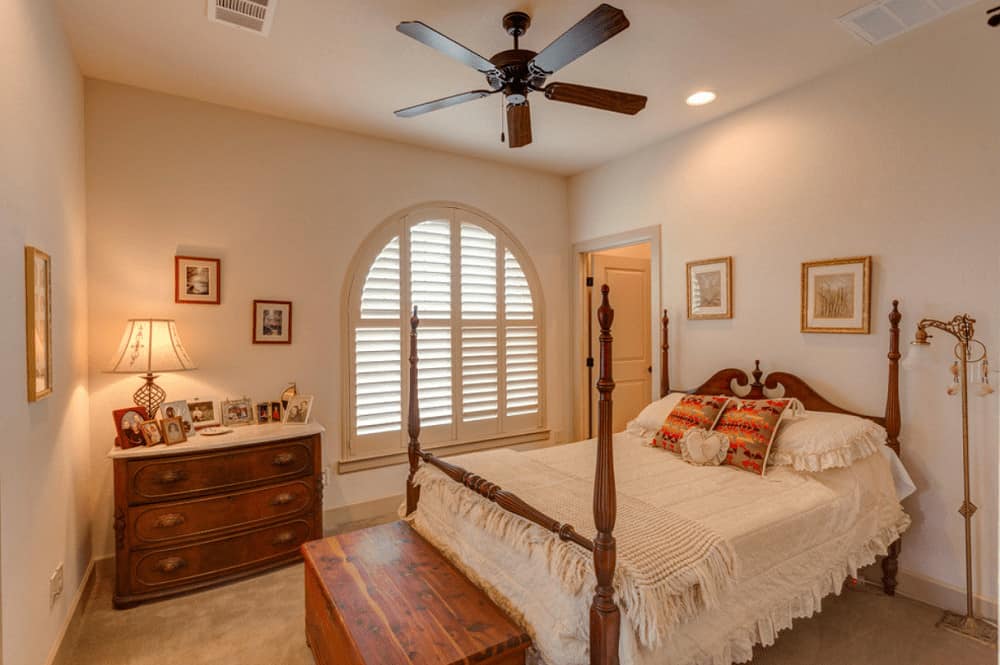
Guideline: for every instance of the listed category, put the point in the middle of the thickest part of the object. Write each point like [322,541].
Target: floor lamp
[968,351]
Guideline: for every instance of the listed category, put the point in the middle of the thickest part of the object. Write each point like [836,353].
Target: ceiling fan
[518,72]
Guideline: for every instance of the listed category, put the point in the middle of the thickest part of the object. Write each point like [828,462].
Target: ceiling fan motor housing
[517,81]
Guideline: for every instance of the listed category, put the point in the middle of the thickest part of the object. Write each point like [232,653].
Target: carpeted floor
[260,622]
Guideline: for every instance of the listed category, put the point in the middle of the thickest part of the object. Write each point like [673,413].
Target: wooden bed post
[605,619]
[664,355]
[413,420]
[890,564]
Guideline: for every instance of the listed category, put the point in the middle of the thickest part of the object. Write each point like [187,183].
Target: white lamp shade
[150,345]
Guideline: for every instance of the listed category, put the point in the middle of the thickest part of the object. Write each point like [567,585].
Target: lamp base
[969,626]
[149,395]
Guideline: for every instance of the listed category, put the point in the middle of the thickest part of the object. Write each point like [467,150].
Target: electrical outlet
[55,584]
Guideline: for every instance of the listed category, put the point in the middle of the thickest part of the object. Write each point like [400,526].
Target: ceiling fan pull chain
[503,121]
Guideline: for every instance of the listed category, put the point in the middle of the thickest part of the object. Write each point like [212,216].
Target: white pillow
[649,420]
[825,441]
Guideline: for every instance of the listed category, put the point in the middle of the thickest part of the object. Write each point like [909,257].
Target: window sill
[444,450]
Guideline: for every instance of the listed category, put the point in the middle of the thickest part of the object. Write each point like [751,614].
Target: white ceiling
[342,64]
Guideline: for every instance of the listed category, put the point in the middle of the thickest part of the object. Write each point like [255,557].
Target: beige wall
[896,156]
[44,460]
[285,206]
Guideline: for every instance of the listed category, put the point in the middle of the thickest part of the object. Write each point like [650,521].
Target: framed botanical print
[836,296]
[197,280]
[272,322]
[38,320]
[710,288]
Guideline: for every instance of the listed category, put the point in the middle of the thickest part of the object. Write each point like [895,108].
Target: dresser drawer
[156,524]
[168,478]
[159,569]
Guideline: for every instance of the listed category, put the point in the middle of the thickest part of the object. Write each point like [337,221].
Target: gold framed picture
[38,321]
[710,288]
[836,296]
[173,430]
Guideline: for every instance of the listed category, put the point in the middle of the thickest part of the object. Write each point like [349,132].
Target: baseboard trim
[74,610]
[945,596]
[335,519]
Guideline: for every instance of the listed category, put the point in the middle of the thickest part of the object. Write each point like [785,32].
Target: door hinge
[590,281]
[590,362]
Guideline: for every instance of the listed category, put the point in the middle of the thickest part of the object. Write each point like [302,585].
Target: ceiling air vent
[253,15]
[882,20]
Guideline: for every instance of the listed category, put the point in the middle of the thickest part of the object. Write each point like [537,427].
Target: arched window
[480,371]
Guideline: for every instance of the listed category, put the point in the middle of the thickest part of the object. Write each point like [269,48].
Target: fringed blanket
[669,567]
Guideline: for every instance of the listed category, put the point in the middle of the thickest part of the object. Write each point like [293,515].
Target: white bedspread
[797,536]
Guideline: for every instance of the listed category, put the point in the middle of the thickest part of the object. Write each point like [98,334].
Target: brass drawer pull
[283,538]
[170,564]
[169,520]
[172,476]
[283,499]
[283,459]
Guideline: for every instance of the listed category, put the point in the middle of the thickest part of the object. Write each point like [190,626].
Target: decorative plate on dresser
[214,509]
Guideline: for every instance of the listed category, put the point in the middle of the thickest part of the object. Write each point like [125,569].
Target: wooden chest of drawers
[213,510]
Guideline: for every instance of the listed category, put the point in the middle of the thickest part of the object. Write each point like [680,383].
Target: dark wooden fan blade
[431,37]
[598,98]
[518,125]
[593,30]
[442,103]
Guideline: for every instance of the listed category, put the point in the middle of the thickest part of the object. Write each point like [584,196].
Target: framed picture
[173,430]
[836,296]
[276,412]
[299,408]
[204,413]
[288,393]
[151,433]
[710,288]
[237,412]
[272,322]
[197,280]
[179,409]
[263,413]
[38,319]
[128,426]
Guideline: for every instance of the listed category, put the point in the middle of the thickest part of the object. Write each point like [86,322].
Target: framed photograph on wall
[710,288]
[836,296]
[197,280]
[272,322]
[38,319]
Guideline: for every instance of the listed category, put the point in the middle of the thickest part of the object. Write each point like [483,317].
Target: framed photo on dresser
[128,426]
[197,280]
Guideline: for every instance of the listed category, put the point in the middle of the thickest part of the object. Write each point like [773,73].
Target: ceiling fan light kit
[517,72]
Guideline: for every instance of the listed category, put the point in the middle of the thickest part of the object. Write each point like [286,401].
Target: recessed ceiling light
[701,98]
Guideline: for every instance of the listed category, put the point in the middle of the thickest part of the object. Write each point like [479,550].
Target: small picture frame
[197,280]
[236,412]
[276,412]
[128,426]
[836,296]
[179,409]
[288,393]
[151,432]
[272,322]
[263,413]
[204,413]
[298,410]
[38,319]
[710,289]
[173,430]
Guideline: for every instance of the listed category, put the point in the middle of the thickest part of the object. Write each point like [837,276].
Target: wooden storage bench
[384,596]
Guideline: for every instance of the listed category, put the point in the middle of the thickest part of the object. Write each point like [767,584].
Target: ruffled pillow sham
[648,422]
[824,441]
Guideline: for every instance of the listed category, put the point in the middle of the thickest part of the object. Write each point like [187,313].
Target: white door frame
[581,394]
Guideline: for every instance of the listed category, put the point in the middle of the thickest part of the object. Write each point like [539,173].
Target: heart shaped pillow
[703,448]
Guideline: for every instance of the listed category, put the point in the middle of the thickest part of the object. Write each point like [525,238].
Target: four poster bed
[712,560]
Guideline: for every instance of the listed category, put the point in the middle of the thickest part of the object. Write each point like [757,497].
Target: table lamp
[148,346]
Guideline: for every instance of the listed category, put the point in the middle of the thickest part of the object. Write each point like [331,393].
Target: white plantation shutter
[377,380]
[478,342]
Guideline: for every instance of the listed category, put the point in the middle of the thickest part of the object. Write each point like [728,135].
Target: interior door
[628,279]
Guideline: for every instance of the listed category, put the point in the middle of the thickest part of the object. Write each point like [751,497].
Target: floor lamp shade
[149,346]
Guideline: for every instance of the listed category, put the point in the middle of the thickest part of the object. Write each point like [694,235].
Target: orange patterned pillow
[751,426]
[692,411]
